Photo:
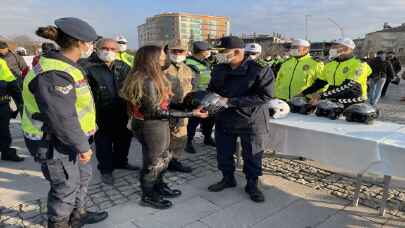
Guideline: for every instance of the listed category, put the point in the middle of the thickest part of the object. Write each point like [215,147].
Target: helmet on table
[361,113]
[329,109]
[278,108]
[301,105]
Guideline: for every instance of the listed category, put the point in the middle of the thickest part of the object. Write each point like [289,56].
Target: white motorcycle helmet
[278,108]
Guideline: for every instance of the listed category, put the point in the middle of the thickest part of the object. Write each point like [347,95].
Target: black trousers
[5,136]
[154,136]
[206,127]
[112,147]
[253,147]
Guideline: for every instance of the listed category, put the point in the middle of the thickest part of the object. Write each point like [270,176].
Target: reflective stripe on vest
[335,73]
[84,103]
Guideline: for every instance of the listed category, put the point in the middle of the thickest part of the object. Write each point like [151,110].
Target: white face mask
[223,58]
[177,58]
[86,54]
[333,53]
[295,52]
[106,56]
[123,47]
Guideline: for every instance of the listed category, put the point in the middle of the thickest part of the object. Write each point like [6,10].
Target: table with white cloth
[358,148]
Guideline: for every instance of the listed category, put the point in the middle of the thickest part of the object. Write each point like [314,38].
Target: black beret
[231,42]
[76,28]
[200,46]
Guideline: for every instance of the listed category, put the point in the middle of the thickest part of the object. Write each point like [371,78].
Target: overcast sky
[110,18]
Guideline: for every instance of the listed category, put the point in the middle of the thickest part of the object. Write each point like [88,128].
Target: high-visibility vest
[335,73]
[32,128]
[203,71]
[6,76]
[126,58]
[295,75]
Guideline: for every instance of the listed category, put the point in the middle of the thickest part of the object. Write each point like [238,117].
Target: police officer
[180,77]
[201,68]
[122,54]
[298,72]
[15,62]
[58,119]
[245,87]
[113,139]
[345,76]
[8,87]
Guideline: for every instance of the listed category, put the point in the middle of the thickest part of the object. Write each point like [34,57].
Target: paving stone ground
[299,193]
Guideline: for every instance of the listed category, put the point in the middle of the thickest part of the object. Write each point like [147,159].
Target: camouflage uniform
[180,76]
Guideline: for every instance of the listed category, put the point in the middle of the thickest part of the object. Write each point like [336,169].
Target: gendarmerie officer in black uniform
[59,119]
[245,87]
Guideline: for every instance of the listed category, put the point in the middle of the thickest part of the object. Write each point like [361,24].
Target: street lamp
[337,25]
[306,25]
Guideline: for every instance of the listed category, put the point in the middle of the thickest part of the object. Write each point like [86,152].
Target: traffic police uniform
[248,88]
[295,75]
[344,77]
[58,119]
[122,54]
[201,79]
[8,87]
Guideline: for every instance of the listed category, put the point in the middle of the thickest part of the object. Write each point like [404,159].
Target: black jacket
[105,83]
[249,88]
[381,68]
[152,110]
[396,64]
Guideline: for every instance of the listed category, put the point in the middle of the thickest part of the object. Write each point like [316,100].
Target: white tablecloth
[378,148]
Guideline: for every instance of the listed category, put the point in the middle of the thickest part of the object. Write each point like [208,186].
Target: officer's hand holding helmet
[278,108]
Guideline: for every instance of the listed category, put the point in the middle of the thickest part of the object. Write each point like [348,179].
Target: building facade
[166,27]
[387,39]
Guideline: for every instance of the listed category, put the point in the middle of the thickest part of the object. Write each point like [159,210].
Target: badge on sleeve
[358,72]
[305,67]
[345,70]
[64,89]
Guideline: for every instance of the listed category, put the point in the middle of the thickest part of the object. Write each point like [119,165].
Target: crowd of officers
[79,94]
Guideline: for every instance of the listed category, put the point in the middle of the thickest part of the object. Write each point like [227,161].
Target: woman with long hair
[148,92]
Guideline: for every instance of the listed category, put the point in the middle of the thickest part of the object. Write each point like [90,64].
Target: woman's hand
[200,113]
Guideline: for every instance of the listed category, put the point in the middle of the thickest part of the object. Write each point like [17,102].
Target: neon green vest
[5,72]
[203,71]
[335,73]
[295,75]
[126,58]
[84,103]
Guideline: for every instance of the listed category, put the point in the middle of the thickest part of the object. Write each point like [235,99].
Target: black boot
[75,219]
[60,224]
[164,190]
[90,217]
[10,154]
[176,166]
[253,190]
[190,148]
[151,197]
[226,182]
[209,141]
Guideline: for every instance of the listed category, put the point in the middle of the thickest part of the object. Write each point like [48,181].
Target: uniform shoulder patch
[64,89]
[305,67]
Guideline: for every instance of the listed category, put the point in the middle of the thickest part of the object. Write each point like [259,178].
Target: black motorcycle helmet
[329,109]
[361,113]
[194,99]
[301,105]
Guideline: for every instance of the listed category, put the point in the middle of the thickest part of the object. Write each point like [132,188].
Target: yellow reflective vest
[295,75]
[335,73]
[85,108]
[126,58]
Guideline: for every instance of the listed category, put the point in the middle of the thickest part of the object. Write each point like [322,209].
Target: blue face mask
[382,57]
